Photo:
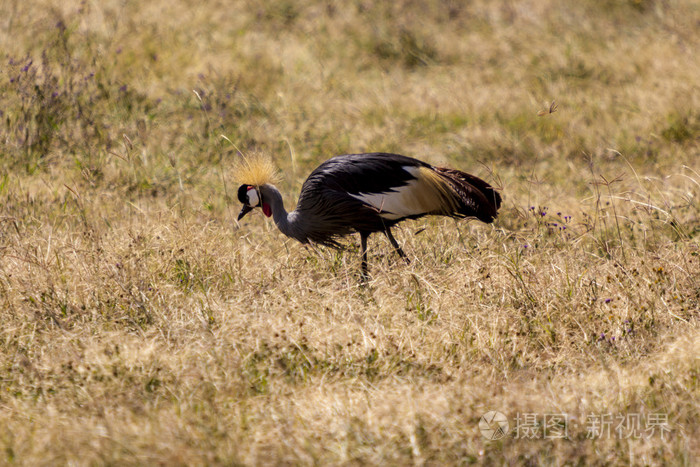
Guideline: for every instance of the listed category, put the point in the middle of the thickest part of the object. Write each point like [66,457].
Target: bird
[365,193]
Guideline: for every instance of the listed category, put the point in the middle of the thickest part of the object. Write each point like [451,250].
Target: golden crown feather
[257,169]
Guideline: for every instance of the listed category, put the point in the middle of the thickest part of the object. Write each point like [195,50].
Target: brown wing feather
[475,197]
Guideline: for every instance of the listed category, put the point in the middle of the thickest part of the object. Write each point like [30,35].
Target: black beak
[246,209]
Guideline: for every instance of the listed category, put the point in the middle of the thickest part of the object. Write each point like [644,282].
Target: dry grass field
[141,324]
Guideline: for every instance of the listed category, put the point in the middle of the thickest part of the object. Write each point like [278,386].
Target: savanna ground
[141,324]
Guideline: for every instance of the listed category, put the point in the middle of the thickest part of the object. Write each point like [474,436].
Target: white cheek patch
[253,199]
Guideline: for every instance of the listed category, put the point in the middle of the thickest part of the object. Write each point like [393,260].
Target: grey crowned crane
[366,193]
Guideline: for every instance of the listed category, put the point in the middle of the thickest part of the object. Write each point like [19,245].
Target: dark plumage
[368,193]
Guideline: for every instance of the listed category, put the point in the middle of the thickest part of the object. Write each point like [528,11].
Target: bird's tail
[473,196]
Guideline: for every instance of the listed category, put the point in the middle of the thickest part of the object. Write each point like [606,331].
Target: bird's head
[256,172]
[251,197]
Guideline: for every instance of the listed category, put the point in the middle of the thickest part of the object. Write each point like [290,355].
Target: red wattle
[266,209]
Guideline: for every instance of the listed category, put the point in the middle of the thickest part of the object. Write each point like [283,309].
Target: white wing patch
[416,197]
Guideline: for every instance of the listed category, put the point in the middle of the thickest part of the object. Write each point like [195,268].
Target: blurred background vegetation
[141,324]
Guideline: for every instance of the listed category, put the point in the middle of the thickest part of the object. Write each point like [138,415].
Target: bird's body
[369,193]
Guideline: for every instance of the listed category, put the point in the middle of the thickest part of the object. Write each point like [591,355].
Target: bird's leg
[363,247]
[396,246]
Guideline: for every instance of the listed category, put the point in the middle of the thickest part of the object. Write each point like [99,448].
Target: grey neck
[285,222]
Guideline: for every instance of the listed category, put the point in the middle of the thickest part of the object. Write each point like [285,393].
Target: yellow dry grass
[142,325]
